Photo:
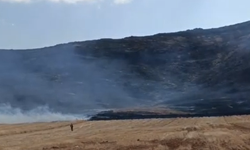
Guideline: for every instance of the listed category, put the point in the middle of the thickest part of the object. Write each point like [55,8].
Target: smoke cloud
[39,114]
[57,83]
[82,78]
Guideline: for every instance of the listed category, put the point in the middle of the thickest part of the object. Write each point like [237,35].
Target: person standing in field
[72,127]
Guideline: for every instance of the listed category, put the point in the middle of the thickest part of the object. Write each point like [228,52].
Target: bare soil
[215,133]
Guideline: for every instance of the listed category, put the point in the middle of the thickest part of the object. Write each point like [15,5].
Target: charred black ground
[205,108]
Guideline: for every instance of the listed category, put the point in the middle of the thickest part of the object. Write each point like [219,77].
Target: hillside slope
[203,70]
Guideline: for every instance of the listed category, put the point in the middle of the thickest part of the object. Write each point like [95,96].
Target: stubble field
[222,133]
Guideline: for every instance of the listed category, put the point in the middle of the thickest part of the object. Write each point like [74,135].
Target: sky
[26,24]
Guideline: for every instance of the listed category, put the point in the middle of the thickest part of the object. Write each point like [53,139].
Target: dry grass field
[222,133]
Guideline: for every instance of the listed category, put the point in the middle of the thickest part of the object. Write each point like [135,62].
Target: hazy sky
[39,23]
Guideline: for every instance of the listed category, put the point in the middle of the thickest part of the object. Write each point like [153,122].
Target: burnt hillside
[203,70]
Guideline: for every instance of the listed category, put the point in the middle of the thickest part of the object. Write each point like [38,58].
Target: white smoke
[39,114]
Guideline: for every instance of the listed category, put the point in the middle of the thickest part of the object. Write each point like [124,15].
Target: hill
[201,71]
